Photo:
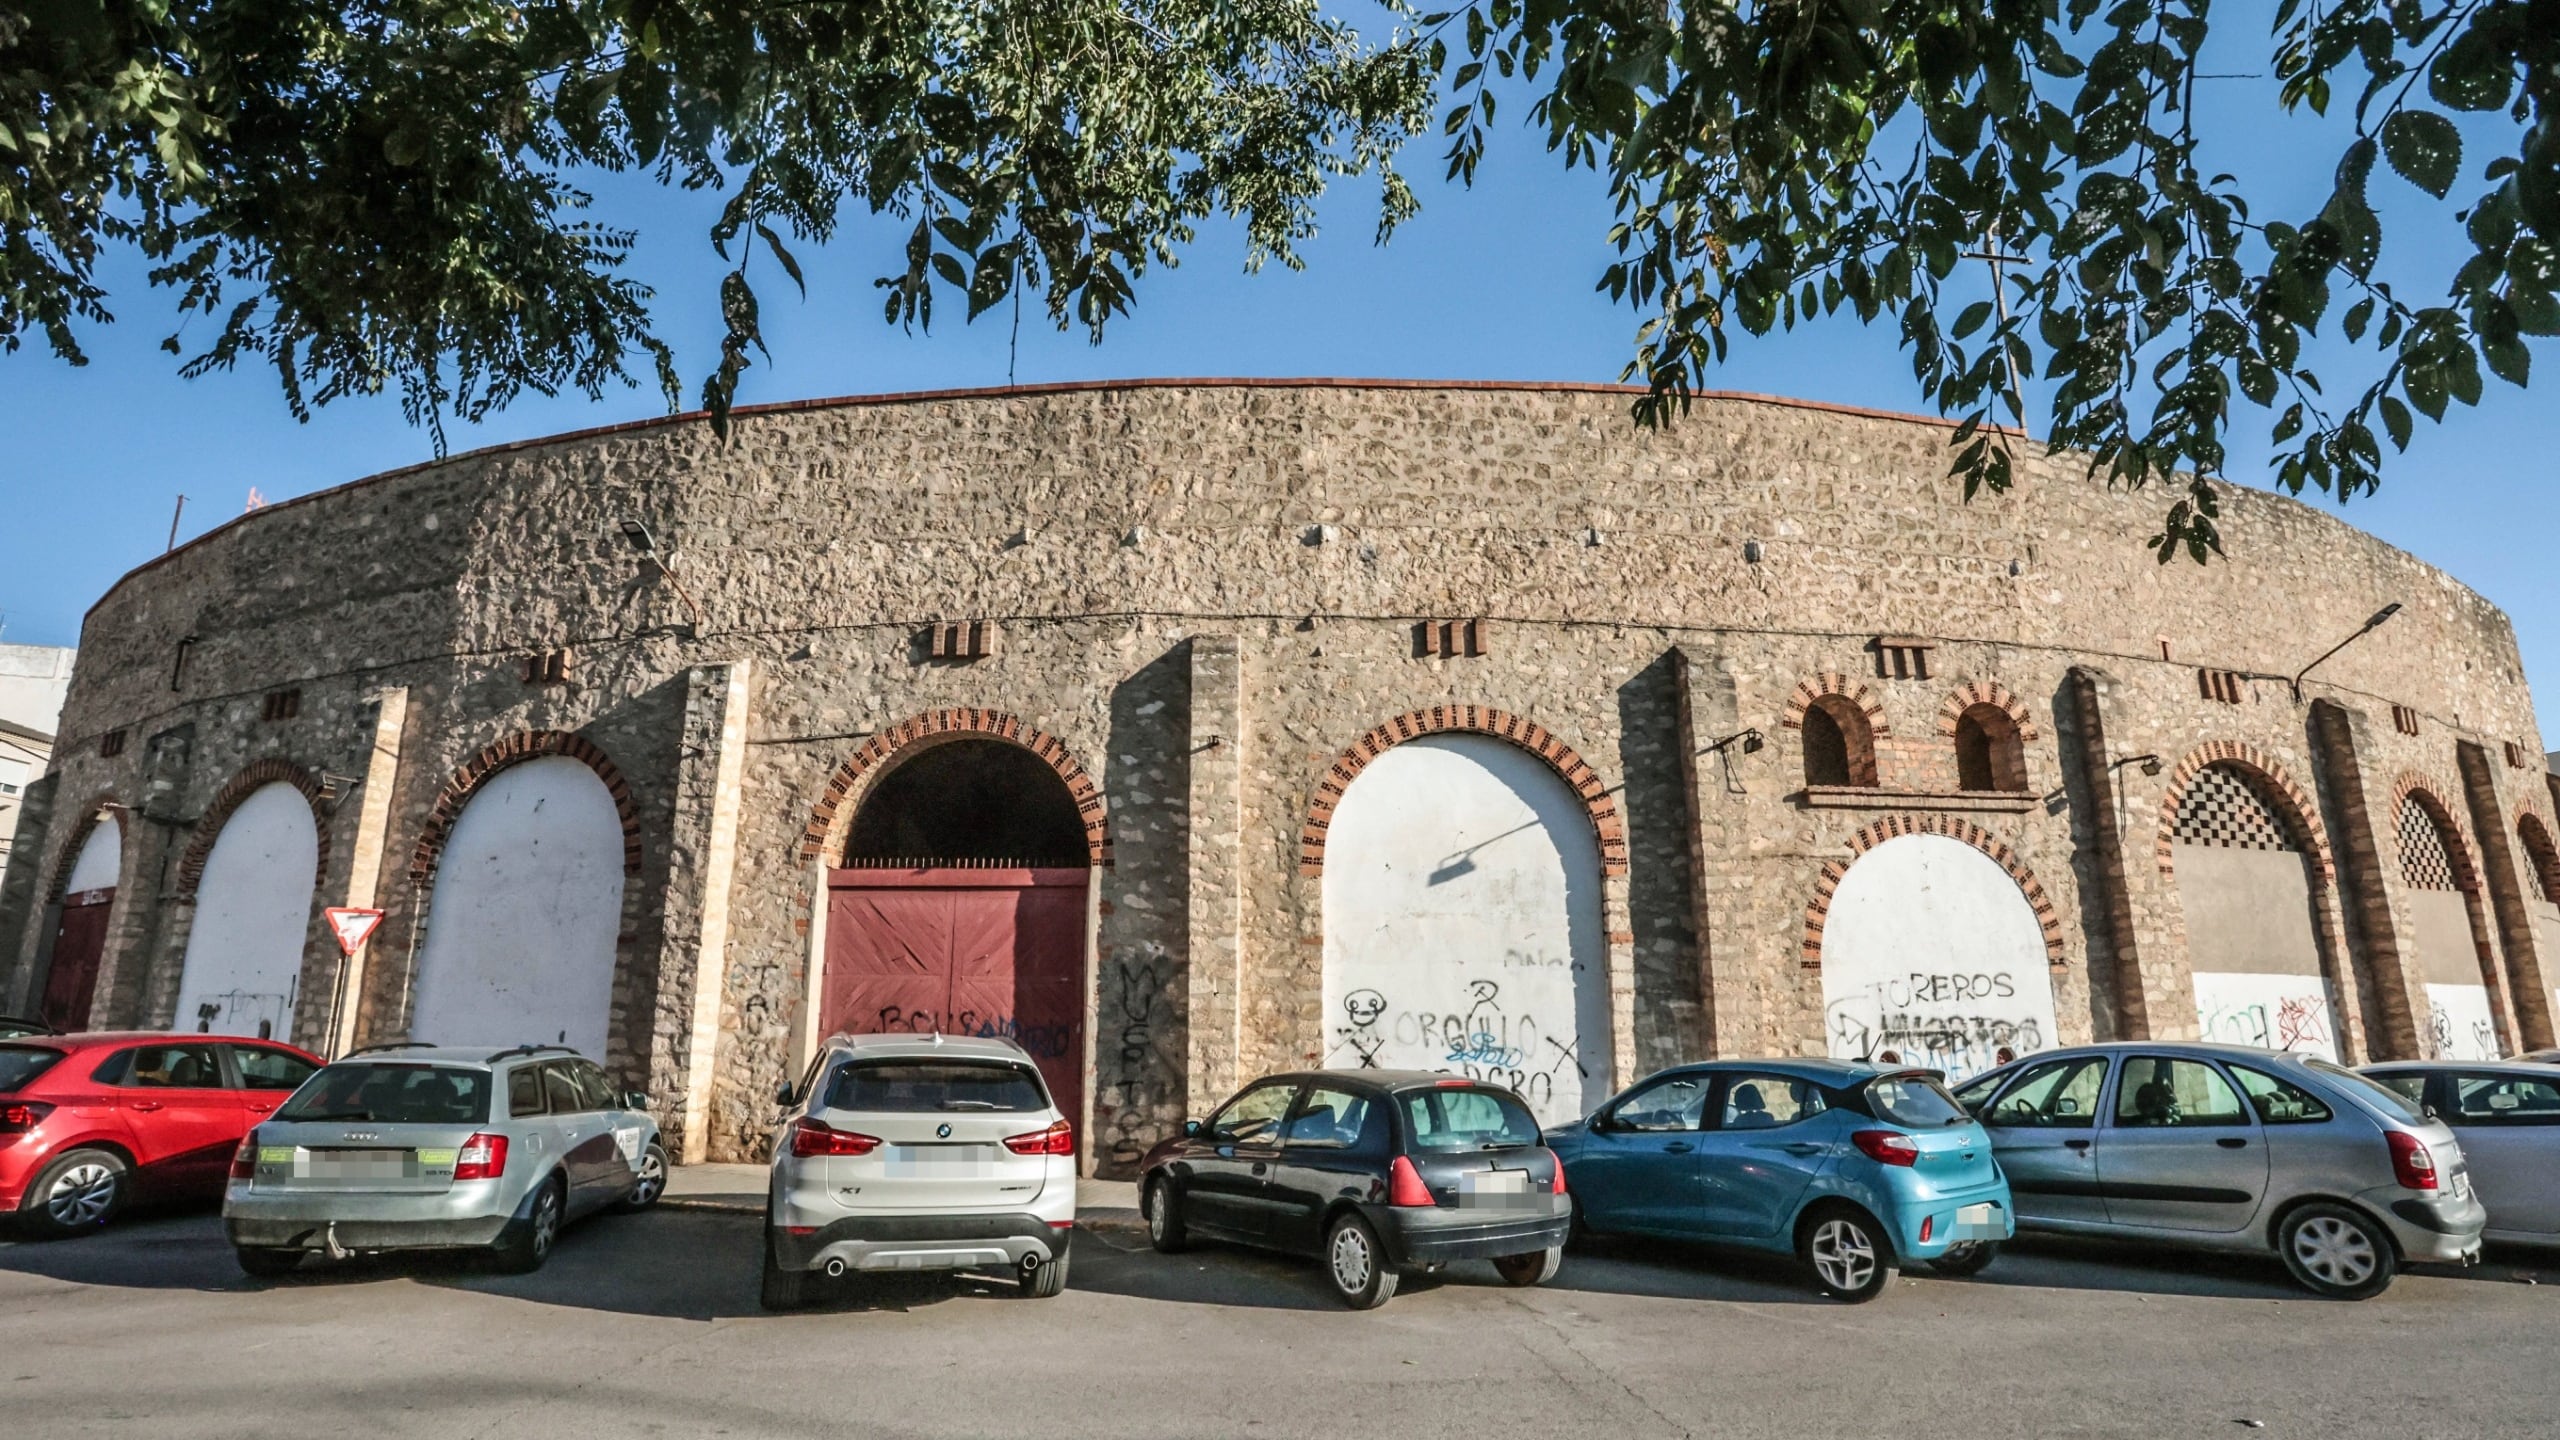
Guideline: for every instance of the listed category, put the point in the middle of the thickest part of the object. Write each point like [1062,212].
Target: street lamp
[2369,626]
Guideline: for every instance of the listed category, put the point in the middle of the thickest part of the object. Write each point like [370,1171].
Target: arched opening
[2542,895]
[1932,955]
[2460,1022]
[243,968]
[1839,745]
[527,907]
[959,908]
[80,936]
[1462,923]
[2245,883]
[1990,754]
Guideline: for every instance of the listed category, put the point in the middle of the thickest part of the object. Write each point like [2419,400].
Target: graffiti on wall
[2459,1025]
[1953,1022]
[1141,1096]
[2272,1012]
[1478,1040]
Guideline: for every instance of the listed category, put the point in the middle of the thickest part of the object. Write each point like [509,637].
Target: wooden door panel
[78,945]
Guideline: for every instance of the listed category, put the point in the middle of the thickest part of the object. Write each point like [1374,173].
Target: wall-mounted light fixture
[1749,740]
[1751,552]
[647,544]
[2150,763]
[2369,626]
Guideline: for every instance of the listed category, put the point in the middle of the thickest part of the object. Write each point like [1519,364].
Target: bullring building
[1187,731]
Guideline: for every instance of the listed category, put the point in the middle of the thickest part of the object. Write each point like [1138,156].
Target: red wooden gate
[78,944]
[963,952]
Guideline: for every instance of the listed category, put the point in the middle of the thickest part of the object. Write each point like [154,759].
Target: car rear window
[392,1094]
[1914,1100]
[22,1063]
[910,1087]
[2371,1091]
[1464,1118]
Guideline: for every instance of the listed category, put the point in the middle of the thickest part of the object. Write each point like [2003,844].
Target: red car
[90,1122]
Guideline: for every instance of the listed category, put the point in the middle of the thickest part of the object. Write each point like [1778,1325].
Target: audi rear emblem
[942,1132]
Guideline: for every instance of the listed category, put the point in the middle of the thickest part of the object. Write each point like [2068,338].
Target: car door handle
[256,1108]
[144,1104]
[2075,1144]
[2232,1142]
[1801,1147]
[1676,1147]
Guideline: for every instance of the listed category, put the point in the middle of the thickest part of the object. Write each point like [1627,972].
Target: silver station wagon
[412,1147]
[2224,1147]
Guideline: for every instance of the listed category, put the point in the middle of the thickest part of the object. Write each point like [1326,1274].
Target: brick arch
[2430,797]
[515,750]
[2540,852]
[832,815]
[69,855]
[1831,683]
[258,776]
[2293,806]
[1528,734]
[1984,692]
[1893,827]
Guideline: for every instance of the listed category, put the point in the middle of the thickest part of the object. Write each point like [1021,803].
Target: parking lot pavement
[648,1325]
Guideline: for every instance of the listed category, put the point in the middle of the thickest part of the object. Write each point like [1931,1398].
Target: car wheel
[1848,1256]
[2336,1252]
[1045,1280]
[783,1289]
[260,1262]
[1357,1265]
[528,1242]
[1535,1268]
[1165,1229]
[1969,1258]
[649,1184]
[78,1192]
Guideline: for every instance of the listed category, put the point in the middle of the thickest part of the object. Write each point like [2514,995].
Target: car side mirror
[782,1095]
[1602,1122]
[2066,1106]
[1190,1129]
[635,1099]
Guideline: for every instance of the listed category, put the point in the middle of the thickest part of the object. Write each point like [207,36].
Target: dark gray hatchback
[1373,1171]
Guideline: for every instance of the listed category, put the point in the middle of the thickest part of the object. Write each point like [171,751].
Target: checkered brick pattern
[2223,807]
[2424,863]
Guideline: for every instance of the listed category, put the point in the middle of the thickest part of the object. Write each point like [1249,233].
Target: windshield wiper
[970,1105]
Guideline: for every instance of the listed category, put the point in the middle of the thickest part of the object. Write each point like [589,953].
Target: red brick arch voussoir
[1831,683]
[2429,793]
[2293,805]
[1893,827]
[258,775]
[1606,823]
[69,855]
[515,750]
[820,835]
[1984,692]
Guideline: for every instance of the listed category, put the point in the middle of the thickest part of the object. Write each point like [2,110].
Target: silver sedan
[2506,1113]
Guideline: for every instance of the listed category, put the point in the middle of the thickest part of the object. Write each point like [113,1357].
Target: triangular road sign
[352,926]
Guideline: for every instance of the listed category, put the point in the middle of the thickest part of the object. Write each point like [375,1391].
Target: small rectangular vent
[2404,719]
[1444,639]
[2222,685]
[111,745]
[2516,757]
[1902,657]
[961,640]
[548,667]
[281,705]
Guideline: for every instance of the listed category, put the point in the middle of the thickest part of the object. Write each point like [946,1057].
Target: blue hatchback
[1856,1168]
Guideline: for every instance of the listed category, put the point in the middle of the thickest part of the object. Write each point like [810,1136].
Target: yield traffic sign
[351,925]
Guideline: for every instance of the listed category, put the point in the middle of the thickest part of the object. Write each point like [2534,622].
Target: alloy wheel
[2334,1251]
[546,1222]
[653,1178]
[1351,1259]
[81,1195]
[1161,1202]
[1843,1255]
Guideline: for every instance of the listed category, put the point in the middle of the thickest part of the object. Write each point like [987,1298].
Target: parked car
[1373,1171]
[2224,1147]
[1857,1169]
[914,1152]
[2506,1114]
[12,1026]
[412,1147]
[90,1123]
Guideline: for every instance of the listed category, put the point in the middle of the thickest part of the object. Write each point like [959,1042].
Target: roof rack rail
[529,1050]
[389,1045]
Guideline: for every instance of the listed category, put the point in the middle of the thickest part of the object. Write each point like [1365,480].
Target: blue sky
[1490,283]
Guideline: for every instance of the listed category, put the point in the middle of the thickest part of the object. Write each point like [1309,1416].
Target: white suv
[919,1152]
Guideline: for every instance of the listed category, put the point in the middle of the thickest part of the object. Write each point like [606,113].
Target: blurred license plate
[942,1161]
[1493,1189]
[356,1165]
[1980,1222]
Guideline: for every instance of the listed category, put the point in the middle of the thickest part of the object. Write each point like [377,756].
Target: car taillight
[816,1137]
[1556,1186]
[482,1157]
[2410,1161]
[1058,1139]
[1928,1227]
[1887,1147]
[20,1116]
[1404,1185]
[244,1161]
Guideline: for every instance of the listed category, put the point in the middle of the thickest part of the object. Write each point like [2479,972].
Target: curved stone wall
[1204,599]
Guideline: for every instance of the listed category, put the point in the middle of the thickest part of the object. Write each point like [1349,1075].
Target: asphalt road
[648,1325]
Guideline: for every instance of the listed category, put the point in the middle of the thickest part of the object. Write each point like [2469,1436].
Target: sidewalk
[739,1190]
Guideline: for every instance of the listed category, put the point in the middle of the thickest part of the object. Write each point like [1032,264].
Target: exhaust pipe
[835,1268]
[336,1250]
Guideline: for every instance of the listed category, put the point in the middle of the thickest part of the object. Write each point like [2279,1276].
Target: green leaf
[2395,418]
[2425,148]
